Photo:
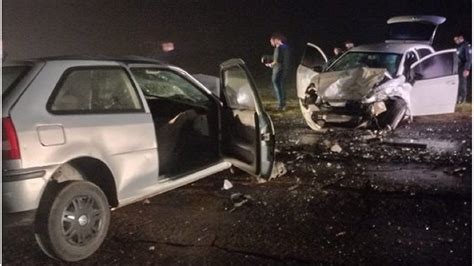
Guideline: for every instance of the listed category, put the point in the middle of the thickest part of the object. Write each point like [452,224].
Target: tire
[307,115]
[72,223]
[396,109]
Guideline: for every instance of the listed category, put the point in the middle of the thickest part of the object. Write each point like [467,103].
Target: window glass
[351,60]
[96,90]
[238,90]
[411,31]
[423,52]
[167,84]
[312,57]
[437,66]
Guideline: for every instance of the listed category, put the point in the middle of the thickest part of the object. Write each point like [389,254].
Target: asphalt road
[398,198]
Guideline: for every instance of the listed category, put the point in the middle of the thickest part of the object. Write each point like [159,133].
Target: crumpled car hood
[347,85]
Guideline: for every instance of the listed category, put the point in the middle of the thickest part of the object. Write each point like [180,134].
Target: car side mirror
[318,68]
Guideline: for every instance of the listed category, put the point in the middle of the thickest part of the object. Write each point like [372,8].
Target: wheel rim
[82,220]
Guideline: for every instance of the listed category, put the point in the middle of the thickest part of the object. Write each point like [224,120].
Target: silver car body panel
[108,142]
[169,184]
[352,84]
[306,74]
[125,142]
[435,20]
[397,48]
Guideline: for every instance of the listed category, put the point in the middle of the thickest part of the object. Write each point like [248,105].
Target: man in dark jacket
[463,50]
[280,67]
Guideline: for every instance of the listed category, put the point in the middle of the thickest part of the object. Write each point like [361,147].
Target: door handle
[451,82]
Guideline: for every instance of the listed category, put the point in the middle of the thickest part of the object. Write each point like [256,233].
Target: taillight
[10,147]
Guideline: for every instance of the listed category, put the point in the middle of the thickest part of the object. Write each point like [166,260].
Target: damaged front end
[360,97]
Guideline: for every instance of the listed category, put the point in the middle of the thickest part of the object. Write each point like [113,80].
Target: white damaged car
[380,84]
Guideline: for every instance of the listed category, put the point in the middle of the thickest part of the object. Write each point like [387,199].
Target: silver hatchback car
[82,136]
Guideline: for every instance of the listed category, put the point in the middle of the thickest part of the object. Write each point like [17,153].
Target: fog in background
[206,33]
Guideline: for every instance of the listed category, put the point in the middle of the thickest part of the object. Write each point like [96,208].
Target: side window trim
[65,75]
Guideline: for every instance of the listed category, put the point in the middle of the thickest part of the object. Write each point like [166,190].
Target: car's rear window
[11,75]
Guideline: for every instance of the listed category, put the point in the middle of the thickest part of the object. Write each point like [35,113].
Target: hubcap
[82,220]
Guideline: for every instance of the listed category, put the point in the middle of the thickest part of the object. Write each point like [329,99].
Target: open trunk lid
[413,28]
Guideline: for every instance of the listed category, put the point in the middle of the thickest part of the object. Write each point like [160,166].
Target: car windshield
[389,61]
[11,75]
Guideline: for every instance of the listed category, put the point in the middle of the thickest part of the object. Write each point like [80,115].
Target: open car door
[435,85]
[413,28]
[248,136]
[313,62]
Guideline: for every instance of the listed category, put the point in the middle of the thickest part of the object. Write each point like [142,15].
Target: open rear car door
[248,136]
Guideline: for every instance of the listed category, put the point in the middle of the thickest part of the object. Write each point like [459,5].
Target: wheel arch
[92,170]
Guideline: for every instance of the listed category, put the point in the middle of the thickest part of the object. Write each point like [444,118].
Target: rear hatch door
[413,28]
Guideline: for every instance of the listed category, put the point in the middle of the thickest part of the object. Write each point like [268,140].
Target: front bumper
[22,189]
[350,113]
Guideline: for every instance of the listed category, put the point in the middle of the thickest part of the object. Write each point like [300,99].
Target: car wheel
[307,111]
[72,225]
[396,109]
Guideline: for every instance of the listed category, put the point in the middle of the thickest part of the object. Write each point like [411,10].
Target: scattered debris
[460,169]
[336,148]
[341,233]
[293,187]
[411,144]
[227,185]
[278,170]
[151,248]
[146,202]
[239,199]
[327,143]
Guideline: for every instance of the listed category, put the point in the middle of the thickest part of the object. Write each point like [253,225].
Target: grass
[270,104]
[464,107]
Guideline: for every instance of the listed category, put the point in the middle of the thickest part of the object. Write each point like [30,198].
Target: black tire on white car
[396,109]
[72,223]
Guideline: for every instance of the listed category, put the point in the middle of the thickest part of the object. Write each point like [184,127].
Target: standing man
[463,50]
[166,53]
[280,67]
[348,45]
[337,53]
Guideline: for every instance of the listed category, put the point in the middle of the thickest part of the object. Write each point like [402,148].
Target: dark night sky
[208,32]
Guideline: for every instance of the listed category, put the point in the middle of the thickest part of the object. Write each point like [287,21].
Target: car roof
[388,47]
[128,59]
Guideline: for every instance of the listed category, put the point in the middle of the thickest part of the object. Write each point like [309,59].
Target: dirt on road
[348,197]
